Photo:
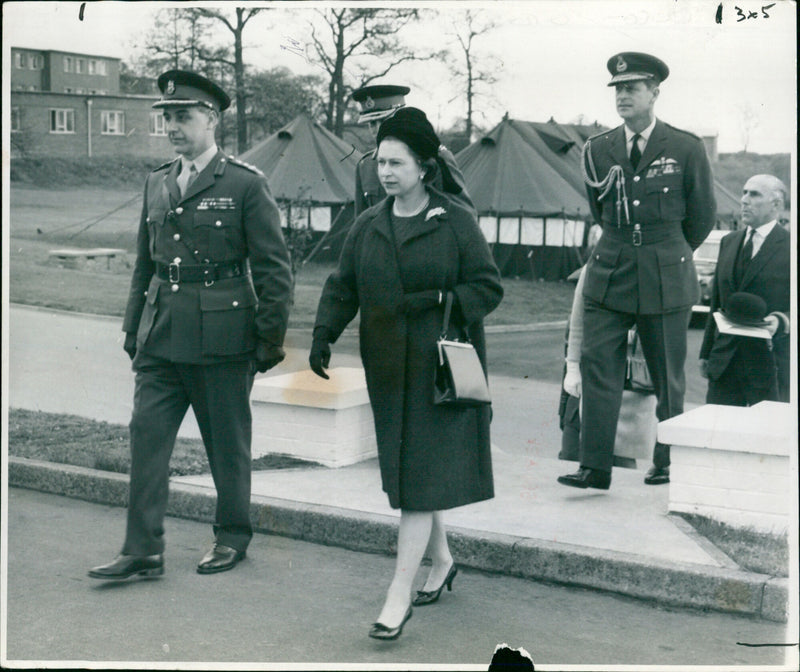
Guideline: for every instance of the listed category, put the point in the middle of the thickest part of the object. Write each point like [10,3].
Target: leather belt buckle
[206,274]
[174,271]
[637,236]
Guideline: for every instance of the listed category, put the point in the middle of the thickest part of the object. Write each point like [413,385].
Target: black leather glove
[267,356]
[416,302]
[130,345]
[320,356]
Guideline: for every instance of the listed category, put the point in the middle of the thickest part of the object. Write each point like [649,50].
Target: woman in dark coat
[400,260]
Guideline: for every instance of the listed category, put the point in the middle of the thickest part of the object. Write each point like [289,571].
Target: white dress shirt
[644,136]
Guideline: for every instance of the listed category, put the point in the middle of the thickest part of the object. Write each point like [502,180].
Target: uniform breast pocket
[219,235]
[228,320]
[668,189]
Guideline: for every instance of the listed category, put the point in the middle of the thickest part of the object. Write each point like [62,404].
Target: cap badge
[170,87]
[622,66]
[369,103]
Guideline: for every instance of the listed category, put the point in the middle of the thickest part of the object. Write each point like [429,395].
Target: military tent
[311,174]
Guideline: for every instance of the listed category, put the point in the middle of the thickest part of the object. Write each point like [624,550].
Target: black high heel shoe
[381,631]
[430,596]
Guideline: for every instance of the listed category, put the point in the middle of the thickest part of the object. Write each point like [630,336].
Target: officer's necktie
[190,176]
[636,153]
[743,260]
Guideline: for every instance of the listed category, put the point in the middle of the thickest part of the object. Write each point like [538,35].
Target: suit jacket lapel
[655,146]
[767,250]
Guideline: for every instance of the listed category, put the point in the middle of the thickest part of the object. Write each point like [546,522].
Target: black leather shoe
[657,475]
[587,478]
[125,566]
[380,631]
[430,596]
[220,558]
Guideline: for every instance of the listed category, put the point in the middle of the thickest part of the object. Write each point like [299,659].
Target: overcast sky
[552,54]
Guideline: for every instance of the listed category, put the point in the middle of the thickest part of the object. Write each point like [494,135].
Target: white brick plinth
[732,464]
[304,416]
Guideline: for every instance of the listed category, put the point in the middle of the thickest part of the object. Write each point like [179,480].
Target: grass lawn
[43,220]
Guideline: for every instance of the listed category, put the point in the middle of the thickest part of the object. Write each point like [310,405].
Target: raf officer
[650,187]
[379,102]
[754,262]
[208,306]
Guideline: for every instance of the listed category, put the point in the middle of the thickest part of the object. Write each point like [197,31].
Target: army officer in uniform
[208,306]
[379,102]
[650,187]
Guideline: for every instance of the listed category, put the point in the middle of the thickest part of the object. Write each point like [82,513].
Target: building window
[16,120]
[157,124]
[62,121]
[35,61]
[79,66]
[96,67]
[18,59]
[67,63]
[112,123]
[67,89]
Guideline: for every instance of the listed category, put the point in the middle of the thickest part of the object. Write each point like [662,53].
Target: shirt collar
[201,161]
[764,230]
[644,135]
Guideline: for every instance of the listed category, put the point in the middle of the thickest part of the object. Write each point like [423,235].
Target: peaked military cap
[631,66]
[183,88]
[379,101]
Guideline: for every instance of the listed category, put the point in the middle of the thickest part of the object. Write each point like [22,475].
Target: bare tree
[175,42]
[359,46]
[475,78]
[236,27]
[748,121]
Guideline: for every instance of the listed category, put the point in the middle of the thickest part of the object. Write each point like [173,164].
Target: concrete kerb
[671,584]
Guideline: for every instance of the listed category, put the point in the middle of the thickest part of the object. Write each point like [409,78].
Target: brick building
[69,104]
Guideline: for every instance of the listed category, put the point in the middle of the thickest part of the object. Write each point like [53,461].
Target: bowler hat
[745,309]
[631,66]
[379,101]
[184,88]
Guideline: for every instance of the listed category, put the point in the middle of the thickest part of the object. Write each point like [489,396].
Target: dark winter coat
[431,457]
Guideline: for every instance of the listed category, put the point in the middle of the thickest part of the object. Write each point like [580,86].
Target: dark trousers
[734,387]
[603,359]
[220,397]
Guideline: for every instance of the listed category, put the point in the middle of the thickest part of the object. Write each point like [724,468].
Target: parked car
[705,260]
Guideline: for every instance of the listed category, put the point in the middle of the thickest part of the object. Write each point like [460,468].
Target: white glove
[572,379]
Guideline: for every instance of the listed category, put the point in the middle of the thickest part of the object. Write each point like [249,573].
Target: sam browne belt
[207,273]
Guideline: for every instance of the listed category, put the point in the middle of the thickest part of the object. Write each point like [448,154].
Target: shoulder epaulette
[601,134]
[247,166]
[683,131]
[167,164]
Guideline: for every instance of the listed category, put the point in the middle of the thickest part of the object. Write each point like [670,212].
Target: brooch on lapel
[434,212]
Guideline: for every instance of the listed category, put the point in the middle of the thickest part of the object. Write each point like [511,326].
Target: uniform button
[636,202]
[683,259]
[666,189]
[596,256]
[148,220]
[636,178]
[170,213]
[218,223]
[176,236]
[176,260]
[235,303]
[145,292]
[175,288]
[179,210]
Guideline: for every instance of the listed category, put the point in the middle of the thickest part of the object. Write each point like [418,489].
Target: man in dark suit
[650,187]
[742,371]
[208,306]
[379,102]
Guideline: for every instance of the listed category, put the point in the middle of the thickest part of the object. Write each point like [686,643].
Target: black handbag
[459,379]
